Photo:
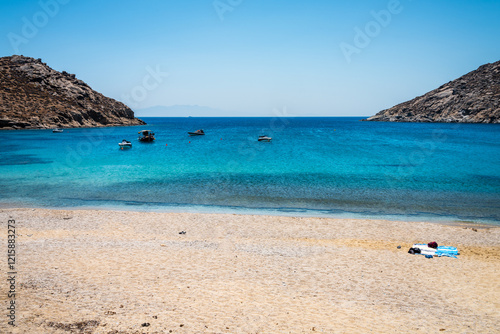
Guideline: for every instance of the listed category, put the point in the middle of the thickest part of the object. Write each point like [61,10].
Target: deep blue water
[313,166]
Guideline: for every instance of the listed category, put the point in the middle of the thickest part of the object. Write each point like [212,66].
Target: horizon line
[252,116]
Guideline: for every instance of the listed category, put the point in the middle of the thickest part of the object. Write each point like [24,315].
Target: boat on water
[125,144]
[197,133]
[265,138]
[146,136]
[57,130]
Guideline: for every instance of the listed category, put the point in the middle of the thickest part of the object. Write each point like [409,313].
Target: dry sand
[118,272]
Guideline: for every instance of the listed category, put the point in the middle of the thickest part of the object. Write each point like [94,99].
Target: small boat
[265,138]
[125,144]
[146,136]
[197,133]
[57,130]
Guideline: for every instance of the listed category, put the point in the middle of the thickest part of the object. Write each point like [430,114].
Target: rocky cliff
[34,96]
[472,98]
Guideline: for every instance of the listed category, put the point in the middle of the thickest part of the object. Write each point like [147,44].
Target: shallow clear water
[313,166]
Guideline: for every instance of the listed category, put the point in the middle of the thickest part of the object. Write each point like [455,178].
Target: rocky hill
[34,96]
[472,98]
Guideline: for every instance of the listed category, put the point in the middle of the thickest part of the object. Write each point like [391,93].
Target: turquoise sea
[337,166]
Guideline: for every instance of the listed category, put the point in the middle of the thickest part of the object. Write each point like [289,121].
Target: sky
[257,57]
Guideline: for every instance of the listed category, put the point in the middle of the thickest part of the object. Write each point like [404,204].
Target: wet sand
[91,271]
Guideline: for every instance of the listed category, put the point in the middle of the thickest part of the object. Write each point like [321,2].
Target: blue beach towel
[447,251]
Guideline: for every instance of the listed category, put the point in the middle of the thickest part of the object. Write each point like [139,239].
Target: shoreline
[101,271]
[73,128]
[275,212]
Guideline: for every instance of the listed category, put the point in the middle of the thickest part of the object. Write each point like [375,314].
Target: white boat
[57,130]
[125,144]
[265,138]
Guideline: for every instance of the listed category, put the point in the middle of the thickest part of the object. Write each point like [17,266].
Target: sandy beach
[90,271]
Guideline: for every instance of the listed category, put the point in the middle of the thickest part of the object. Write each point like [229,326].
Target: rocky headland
[472,98]
[34,96]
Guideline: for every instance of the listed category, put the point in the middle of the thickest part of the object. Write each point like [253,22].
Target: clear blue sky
[250,57]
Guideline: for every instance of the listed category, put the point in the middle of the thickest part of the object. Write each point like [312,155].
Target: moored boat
[197,133]
[265,138]
[125,144]
[57,130]
[146,136]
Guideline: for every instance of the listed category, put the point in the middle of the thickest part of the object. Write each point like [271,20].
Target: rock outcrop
[34,96]
[472,98]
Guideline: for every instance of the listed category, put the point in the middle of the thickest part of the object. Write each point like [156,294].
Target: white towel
[424,249]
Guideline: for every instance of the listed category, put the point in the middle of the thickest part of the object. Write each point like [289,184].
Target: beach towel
[440,251]
[447,251]
[424,249]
